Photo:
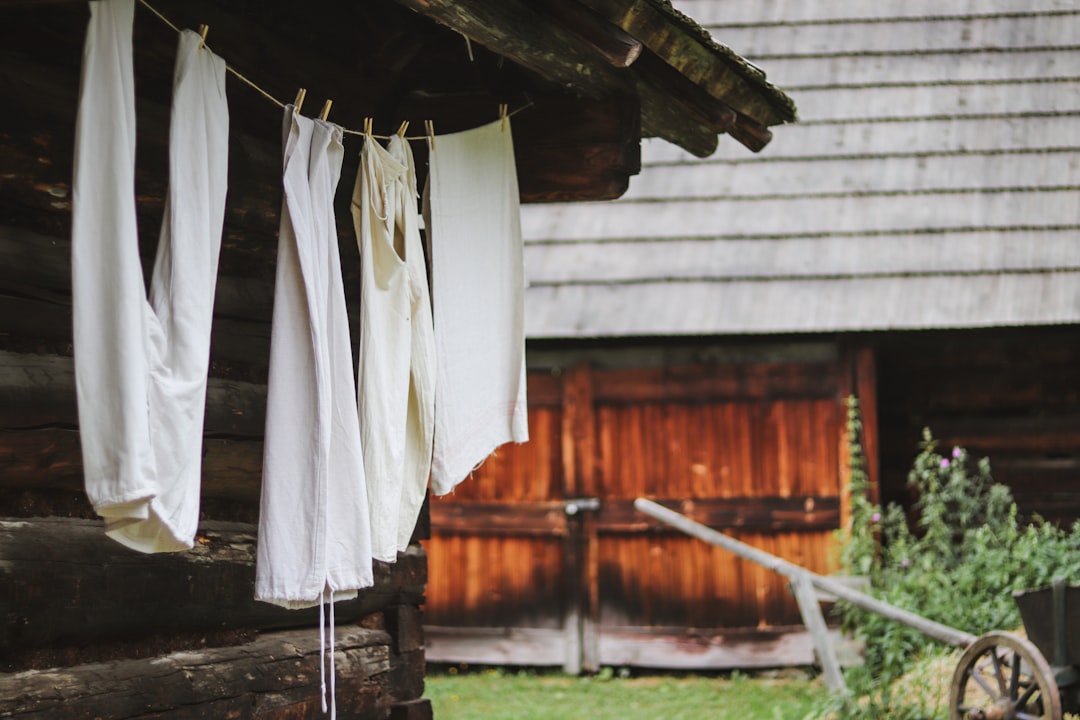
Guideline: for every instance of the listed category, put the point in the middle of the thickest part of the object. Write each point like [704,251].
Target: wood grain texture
[67,584]
[751,447]
[275,676]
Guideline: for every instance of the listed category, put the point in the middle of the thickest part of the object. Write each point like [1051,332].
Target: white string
[322,647]
[333,663]
[281,104]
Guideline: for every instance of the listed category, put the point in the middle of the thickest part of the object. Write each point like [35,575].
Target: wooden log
[612,43]
[750,133]
[39,390]
[688,96]
[45,459]
[276,676]
[66,584]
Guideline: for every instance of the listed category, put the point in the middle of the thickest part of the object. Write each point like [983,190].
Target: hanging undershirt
[396,373]
[141,365]
[478,285]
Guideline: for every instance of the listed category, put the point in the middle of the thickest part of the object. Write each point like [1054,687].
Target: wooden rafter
[691,56]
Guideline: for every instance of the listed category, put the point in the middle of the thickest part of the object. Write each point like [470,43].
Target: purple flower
[903,563]
[956,453]
[944,463]
[875,517]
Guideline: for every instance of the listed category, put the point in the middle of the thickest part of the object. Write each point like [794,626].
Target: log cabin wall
[541,559]
[81,614]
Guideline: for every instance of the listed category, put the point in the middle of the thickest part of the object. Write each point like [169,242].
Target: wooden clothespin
[299,101]
[369,124]
[401,130]
[429,127]
[326,110]
[203,29]
[504,114]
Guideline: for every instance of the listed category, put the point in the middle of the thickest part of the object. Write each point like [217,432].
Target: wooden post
[815,623]
[866,391]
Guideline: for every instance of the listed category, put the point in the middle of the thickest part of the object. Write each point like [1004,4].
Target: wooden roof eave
[688,48]
[576,46]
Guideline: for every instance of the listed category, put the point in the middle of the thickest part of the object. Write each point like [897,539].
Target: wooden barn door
[540,558]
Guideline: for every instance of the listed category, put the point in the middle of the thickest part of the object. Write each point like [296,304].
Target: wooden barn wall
[1009,394]
[80,614]
[751,448]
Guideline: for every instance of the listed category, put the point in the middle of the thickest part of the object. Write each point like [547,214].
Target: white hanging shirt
[478,287]
[141,365]
[396,372]
[314,536]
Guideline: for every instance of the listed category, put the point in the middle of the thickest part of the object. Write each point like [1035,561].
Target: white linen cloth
[141,365]
[314,532]
[478,285]
[396,371]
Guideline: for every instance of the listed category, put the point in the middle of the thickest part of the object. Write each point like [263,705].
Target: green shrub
[956,560]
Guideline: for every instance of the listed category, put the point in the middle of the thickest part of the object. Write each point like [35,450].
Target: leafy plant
[956,560]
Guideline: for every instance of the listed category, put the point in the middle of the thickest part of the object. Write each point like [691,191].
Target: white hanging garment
[477,286]
[396,373]
[141,366]
[314,533]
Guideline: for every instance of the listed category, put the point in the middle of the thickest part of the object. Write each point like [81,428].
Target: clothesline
[366,132]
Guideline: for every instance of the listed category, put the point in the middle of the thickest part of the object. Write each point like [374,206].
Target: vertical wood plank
[815,623]
[580,480]
[866,389]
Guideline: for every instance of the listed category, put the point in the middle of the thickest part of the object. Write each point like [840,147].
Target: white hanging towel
[396,373]
[478,285]
[140,366]
[314,532]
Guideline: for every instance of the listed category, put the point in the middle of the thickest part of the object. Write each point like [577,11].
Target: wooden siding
[1010,395]
[752,448]
[932,172]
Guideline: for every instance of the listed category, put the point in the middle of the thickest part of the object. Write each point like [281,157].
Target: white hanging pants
[478,287]
[314,533]
[141,365]
[396,373]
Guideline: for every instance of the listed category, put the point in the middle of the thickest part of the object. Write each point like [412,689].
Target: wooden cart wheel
[1002,676]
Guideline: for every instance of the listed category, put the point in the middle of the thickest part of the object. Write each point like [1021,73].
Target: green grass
[529,695]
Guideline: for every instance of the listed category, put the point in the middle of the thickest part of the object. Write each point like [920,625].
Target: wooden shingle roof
[932,181]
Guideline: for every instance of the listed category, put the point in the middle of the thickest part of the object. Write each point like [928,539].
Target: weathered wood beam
[65,584]
[689,53]
[549,519]
[664,118]
[555,53]
[692,98]
[612,43]
[520,33]
[667,647]
[703,382]
[750,133]
[275,676]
